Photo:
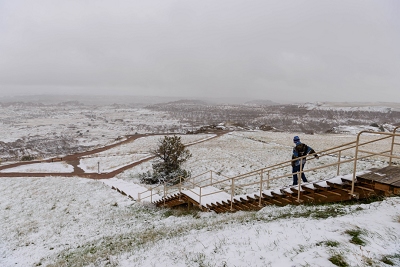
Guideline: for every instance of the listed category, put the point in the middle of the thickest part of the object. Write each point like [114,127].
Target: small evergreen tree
[170,154]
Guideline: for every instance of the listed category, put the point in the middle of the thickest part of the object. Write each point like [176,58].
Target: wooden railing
[261,179]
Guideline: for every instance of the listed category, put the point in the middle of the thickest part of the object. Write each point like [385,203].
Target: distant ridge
[261,103]
[188,102]
[89,99]
[363,104]
[129,100]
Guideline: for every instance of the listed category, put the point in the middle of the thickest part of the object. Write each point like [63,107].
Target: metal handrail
[393,135]
[179,186]
[232,182]
[393,143]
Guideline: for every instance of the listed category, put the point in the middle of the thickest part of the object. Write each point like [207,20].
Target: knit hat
[296,139]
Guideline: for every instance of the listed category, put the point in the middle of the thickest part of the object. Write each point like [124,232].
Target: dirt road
[74,159]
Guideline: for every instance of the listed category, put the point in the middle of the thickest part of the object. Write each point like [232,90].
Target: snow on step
[238,197]
[131,189]
[269,192]
[213,195]
[223,196]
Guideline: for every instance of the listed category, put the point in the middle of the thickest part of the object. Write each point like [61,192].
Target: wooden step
[320,187]
[273,200]
[338,186]
[385,181]
[287,193]
[309,189]
[248,203]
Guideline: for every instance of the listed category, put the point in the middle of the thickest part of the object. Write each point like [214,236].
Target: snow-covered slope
[78,222]
[57,221]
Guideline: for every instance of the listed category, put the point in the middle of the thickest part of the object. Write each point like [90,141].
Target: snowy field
[57,221]
[57,130]
[98,124]
[80,222]
[117,157]
[241,152]
[53,167]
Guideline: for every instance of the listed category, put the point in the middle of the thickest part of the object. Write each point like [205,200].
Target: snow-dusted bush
[171,153]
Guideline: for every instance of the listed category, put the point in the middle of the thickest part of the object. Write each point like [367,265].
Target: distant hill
[89,99]
[188,102]
[361,105]
[261,103]
[129,100]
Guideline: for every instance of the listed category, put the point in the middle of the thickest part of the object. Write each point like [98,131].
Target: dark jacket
[301,150]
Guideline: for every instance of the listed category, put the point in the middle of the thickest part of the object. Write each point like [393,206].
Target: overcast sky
[279,50]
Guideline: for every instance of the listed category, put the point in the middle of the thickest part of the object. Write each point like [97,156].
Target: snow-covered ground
[78,222]
[56,221]
[241,152]
[89,125]
[117,157]
[56,130]
[45,167]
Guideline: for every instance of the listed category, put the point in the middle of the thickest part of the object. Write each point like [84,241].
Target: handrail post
[200,198]
[180,187]
[355,162]
[165,190]
[268,181]
[299,179]
[211,177]
[392,146]
[151,195]
[232,192]
[338,167]
[261,184]
[138,196]
[391,151]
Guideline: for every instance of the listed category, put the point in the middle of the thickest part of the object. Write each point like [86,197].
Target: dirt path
[74,159]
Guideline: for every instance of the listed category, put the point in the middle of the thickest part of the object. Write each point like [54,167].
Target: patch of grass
[338,260]
[355,236]
[388,259]
[168,213]
[300,249]
[368,261]
[324,211]
[309,211]
[332,243]
[331,211]
[198,259]
[180,213]
[328,243]
[27,158]
[103,248]
[367,200]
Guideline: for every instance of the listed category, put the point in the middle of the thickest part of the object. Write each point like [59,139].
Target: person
[300,150]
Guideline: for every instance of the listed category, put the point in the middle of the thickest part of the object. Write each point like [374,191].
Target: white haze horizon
[120,98]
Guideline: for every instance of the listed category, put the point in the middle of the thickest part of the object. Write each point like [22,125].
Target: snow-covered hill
[57,221]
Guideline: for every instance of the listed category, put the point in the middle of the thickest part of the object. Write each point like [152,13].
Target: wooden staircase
[376,182]
[208,193]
